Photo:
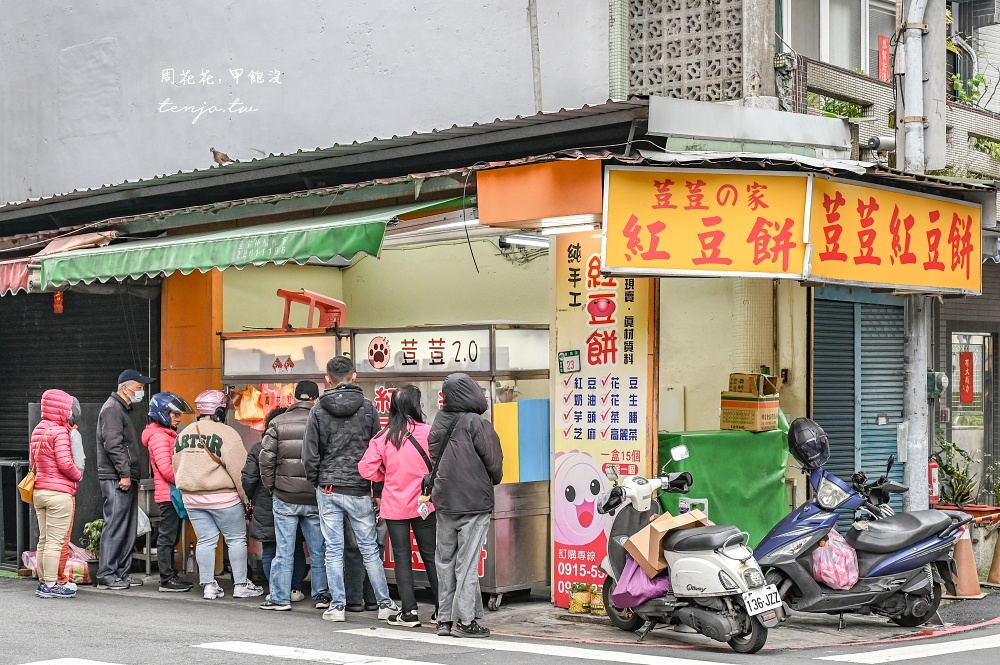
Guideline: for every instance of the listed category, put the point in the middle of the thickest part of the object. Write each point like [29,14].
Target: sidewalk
[531,616]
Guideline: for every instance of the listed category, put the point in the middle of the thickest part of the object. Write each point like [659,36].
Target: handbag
[427,485]
[635,587]
[177,499]
[26,488]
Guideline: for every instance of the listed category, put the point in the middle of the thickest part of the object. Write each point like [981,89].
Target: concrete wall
[82,84]
[989,63]
[438,284]
[249,298]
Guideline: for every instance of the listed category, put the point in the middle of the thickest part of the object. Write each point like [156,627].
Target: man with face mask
[118,472]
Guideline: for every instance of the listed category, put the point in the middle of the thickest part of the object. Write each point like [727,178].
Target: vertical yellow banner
[601,417]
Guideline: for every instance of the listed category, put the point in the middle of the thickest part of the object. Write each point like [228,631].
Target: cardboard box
[754,384]
[749,413]
[646,546]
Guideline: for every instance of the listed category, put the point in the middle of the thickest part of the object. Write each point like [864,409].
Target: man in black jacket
[293,501]
[336,437]
[466,450]
[118,474]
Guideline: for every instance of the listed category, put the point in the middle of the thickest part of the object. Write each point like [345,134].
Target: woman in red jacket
[56,479]
[165,410]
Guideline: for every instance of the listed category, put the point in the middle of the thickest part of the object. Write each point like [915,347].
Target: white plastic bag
[142,525]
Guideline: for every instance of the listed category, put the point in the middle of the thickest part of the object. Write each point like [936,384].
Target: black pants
[168,533]
[118,536]
[399,536]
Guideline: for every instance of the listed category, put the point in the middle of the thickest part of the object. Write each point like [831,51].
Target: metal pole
[915,402]
[913,88]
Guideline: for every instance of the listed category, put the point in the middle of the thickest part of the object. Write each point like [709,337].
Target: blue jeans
[358,509]
[207,525]
[267,550]
[288,517]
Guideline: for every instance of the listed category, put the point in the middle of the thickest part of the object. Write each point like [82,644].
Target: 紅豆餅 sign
[665,222]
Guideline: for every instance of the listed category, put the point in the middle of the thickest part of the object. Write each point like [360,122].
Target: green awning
[333,239]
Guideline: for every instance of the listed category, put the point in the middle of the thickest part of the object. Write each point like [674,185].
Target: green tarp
[742,474]
[328,238]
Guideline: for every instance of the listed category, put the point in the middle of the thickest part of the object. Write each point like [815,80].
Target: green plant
[969,91]
[987,145]
[959,484]
[833,107]
[92,536]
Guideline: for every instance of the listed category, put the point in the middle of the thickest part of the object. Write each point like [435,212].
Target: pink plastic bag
[836,564]
[634,587]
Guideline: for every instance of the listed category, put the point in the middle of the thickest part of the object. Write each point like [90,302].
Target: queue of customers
[324,474]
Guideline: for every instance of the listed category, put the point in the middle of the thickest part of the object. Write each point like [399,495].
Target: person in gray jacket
[469,462]
[293,502]
[118,474]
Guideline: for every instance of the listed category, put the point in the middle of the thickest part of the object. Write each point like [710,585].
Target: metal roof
[341,149]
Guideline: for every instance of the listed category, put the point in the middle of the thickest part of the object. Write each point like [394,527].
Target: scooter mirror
[677,453]
[611,473]
[888,467]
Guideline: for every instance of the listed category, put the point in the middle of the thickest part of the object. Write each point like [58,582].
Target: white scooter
[717,588]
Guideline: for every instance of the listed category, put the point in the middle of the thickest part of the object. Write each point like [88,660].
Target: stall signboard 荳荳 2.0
[601,411]
[666,222]
[437,351]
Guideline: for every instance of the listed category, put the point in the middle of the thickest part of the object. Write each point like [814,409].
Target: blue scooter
[903,560]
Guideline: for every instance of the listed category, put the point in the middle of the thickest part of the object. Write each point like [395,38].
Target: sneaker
[355,608]
[444,628]
[54,591]
[268,605]
[335,613]
[297,596]
[469,630]
[247,590]
[113,585]
[132,581]
[175,585]
[323,601]
[213,591]
[406,619]
[387,609]
[69,585]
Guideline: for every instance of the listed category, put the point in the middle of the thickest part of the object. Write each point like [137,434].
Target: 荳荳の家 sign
[663,222]
[601,412]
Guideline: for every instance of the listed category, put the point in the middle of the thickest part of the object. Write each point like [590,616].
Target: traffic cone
[993,580]
[967,584]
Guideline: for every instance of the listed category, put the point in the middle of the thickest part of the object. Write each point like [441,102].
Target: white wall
[988,45]
[80,83]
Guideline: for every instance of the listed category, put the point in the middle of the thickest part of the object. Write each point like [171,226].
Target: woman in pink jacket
[56,479]
[398,456]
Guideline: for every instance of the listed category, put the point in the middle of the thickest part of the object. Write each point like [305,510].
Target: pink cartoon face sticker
[578,482]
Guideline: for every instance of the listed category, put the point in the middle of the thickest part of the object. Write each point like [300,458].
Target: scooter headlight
[793,548]
[830,496]
[753,577]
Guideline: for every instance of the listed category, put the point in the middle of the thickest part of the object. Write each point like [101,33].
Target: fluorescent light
[552,231]
[453,225]
[568,220]
[526,241]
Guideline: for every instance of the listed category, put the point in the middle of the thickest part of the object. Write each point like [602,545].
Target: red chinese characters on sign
[755,192]
[966,388]
[866,236]
[900,229]
[772,240]
[663,194]
[933,261]
[602,306]
[711,241]
[382,398]
[960,239]
[602,347]
[832,229]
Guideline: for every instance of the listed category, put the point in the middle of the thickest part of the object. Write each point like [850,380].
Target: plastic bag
[836,564]
[76,568]
[579,598]
[634,587]
[142,524]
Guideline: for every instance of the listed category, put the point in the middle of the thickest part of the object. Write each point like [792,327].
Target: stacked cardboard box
[646,546]
[751,403]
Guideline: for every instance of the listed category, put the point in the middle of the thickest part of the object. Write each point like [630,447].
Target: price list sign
[601,407]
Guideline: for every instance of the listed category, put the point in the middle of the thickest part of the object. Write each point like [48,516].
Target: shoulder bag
[428,482]
[26,488]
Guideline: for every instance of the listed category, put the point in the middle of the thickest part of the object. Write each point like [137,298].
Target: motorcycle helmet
[212,403]
[161,405]
[809,443]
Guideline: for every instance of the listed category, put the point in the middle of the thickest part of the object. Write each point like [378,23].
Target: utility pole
[915,402]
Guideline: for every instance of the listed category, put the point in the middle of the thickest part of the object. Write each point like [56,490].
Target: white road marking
[312,655]
[560,650]
[917,651]
[69,661]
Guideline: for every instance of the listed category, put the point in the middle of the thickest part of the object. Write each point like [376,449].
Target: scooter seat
[898,531]
[701,538]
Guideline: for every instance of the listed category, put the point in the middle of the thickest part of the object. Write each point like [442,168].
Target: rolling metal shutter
[81,351]
[834,372]
[882,379]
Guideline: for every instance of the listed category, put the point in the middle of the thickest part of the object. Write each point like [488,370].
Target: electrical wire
[465,226]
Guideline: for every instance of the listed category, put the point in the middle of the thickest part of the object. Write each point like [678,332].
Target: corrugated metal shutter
[882,381]
[81,351]
[834,381]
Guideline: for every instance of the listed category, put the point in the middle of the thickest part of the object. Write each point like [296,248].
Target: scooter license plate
[761,600]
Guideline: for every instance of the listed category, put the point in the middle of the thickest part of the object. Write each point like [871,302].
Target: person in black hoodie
[337,434]
[469,462]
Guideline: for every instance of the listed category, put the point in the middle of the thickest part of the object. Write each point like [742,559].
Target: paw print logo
[378,352]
